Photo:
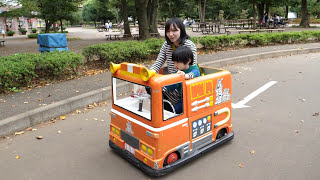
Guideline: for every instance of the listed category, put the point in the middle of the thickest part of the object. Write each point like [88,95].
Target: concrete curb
[30,118]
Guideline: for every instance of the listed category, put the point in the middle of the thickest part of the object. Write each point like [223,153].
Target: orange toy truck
[146,130]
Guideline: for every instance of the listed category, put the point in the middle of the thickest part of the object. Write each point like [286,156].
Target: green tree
[89,12]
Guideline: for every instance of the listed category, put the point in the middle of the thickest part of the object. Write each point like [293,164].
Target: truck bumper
[159,172]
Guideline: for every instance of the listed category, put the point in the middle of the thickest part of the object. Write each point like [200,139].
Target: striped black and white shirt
[165,55]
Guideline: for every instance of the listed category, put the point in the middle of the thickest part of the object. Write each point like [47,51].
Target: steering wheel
[140,97]
[174,111]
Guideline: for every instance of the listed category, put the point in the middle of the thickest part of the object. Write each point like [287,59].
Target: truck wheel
[172,157]
[221,133]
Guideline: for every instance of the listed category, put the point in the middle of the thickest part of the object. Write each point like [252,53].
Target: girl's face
[173,34]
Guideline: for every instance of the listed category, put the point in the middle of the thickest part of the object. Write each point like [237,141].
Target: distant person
[265,18]
[176,36]
[110,25]
[107,26]
[3,33]
[185,22]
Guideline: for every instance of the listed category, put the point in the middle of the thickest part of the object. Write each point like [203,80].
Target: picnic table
[116,36]
[214,28]
[136,36]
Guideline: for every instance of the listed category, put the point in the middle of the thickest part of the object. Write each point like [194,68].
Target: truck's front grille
[129,139]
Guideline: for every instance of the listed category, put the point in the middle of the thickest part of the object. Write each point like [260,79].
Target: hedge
[122,51]
[132,50]
[19,70]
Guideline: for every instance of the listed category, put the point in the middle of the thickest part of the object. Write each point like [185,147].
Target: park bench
[270,30]
[136,36]
[155,35]
[116,36]
[246,31]
[2,42]
[126,36]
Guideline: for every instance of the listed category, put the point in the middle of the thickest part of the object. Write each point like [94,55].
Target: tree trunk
[287,11]
[254,14]
[54,26]
[202,10]
[48,24]
[141,10]
[305,16]
[268,8]
[153,15]
[126,24]
[61,25]
[260,7]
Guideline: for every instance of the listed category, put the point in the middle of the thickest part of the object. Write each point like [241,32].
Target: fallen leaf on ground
[77,91]
[303,100]
[302,120]
[13,105]
[252,152]
[19,133]
[315,114]
[95,119]
[17,157]
[59,132]
[296,131]
[62,117]
[78,111]
[2,101]
[25,102]
[34,129]
[29,129]
[95,104]
[39,137]
[105,103]
[241,165]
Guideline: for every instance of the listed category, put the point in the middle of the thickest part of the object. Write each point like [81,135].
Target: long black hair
[177,23]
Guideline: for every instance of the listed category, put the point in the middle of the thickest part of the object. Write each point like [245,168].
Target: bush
[10,33]
[117,52]
[34,30]
[33,36]
[209,42]
[23,31]
[19,70]
[154,45]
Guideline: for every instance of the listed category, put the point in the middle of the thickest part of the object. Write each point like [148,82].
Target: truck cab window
[139,104]
[172,100]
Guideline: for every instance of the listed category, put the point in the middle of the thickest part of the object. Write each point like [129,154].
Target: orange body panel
[207,110]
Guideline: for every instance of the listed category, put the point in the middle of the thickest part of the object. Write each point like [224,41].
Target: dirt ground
[82,37]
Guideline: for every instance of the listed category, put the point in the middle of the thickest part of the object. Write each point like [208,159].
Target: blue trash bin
[52,42]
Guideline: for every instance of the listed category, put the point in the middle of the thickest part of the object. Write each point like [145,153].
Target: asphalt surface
[23,109]
[277,137]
